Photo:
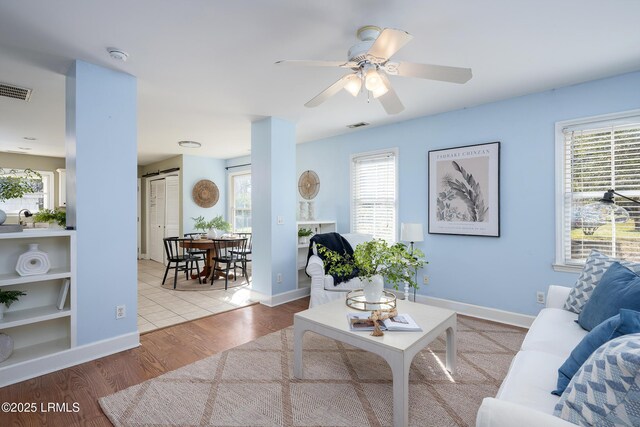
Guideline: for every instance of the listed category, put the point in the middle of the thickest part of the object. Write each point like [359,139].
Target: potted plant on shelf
[374,262]
[51,216]
[14,186]
[7,298]
[303,236]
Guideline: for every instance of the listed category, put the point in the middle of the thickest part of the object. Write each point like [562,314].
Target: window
[373,194]
[594,156]
[42,199]
[241,201]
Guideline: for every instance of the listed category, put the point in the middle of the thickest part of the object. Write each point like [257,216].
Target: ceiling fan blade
[330,91]
[390,101]
[388,43]
[434,72]
[311,63]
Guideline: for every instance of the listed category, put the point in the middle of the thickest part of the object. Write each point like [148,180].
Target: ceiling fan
[369,59]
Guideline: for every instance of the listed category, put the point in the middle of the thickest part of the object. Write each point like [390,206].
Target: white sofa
[524,398]
[322,288]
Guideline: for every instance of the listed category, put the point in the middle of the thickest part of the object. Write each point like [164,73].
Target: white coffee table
[397,348]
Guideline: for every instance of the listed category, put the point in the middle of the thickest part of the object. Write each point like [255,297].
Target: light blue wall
[273,185]
[101,198]
[504,272]
[193,170]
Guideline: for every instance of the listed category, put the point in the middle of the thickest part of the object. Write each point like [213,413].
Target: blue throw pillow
[627,322]
[618,288]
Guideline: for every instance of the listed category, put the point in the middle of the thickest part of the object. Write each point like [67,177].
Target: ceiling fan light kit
[369,61]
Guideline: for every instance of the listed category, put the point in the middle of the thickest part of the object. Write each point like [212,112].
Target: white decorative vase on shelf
[33,262]
[373,288]
[6,346]
[3,217]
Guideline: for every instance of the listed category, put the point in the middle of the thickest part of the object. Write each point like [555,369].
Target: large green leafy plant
[393,262]
[14,184]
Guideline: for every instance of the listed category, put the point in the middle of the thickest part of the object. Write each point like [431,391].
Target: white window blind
[599,156]
[373,191]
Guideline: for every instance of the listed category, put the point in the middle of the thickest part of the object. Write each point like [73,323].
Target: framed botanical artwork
[464,190]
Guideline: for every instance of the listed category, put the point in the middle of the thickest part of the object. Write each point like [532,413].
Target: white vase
[373,288]
[6,346]
[3,216]
[212,233]
[303,240]
[33,262]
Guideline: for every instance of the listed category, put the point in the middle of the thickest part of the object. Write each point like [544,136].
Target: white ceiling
[206,68]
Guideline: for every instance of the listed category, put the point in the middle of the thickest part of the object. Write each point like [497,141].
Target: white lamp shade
[411,232]
[353,85]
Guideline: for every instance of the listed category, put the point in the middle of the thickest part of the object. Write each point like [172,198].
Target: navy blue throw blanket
[336,243]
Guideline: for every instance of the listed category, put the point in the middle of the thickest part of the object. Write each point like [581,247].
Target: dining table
[208,245]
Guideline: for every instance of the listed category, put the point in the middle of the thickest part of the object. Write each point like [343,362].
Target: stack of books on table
[402,322]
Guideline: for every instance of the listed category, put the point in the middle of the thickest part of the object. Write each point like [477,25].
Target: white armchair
[322,288]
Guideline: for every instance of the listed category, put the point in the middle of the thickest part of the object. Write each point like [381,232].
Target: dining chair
[245,254]
[226,254]
[178,256]
[195,252]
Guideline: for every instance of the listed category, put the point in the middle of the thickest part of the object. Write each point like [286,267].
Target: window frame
[560,171]
[231,208]
[395,152]
[50,196]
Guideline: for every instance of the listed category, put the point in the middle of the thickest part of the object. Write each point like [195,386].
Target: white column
[101,146]
[273,205]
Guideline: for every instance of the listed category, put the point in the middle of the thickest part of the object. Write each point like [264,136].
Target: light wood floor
[160,351]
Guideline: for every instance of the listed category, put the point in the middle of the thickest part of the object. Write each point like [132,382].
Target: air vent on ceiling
[15,92]
[358,125]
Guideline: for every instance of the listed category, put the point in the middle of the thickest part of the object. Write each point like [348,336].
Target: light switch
[280,220]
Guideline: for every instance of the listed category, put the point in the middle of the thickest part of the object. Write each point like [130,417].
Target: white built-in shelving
[38,327]
[316,227]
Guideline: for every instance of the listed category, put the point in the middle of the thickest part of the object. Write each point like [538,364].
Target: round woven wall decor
[205,193]
[309,184]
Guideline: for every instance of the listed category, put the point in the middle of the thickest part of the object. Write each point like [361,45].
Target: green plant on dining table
[217,223]
[393,262]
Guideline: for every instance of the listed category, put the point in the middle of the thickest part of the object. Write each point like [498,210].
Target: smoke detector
[118,54]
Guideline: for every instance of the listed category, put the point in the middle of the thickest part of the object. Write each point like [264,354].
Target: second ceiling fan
[370,62]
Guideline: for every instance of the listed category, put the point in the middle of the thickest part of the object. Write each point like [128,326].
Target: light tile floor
[159,307]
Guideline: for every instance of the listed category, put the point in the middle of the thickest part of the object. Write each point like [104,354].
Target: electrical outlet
[121,311]
[540,297]
[279,277]
[425,280]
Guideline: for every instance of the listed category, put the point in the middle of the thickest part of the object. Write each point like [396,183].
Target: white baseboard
[274,300]
[487,313]
[28,369]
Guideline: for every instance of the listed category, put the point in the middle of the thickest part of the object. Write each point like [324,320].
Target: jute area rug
[253,384]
